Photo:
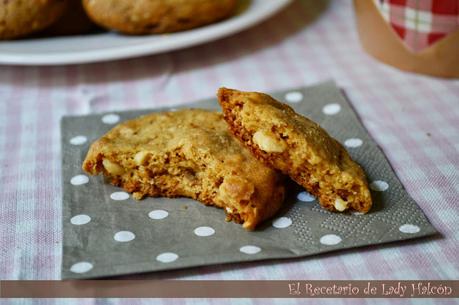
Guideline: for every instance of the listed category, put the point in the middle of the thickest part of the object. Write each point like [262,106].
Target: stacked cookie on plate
[236,160]
[157,16]
[20,18]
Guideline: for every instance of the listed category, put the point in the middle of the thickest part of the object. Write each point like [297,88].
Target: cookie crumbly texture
[19,18]
[298,147]
[157,16]
[188,153]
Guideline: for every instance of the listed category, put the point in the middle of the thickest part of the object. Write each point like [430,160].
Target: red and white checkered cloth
[421,23]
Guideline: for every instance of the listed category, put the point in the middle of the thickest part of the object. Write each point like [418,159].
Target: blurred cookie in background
[19,18]
[157,16]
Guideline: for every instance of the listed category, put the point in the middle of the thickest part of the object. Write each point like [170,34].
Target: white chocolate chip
[267,142]
[340,204]
[126,132]
[314,159]
[112,167]
[140,157]
[345,176]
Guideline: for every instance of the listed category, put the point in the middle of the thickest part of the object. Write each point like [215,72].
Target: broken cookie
[298,147]
[188,153]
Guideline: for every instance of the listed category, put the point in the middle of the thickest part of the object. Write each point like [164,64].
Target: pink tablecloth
[414,118]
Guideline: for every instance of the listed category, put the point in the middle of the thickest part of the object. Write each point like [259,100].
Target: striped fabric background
[414,118]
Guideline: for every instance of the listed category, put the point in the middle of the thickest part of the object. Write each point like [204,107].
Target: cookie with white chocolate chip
[188,153]
[297,146]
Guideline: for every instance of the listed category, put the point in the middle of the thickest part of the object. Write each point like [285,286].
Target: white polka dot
[331,109]
[204,231]
[249,249]
[306,197]
[409,228]
[294,97]
[330,239]
[167,257]
[353,142]
[79,220]
[158,214]
[78,140]
[79,180]
[110,118]
[81,267]
[119,196]
[379,186]
[124,236]
[282,222]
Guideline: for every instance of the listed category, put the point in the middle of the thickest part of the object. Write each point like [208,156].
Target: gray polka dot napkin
[108,233]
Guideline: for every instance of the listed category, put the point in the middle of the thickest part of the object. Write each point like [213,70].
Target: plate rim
[189,39]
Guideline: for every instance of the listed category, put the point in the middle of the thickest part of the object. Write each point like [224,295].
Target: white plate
[109,46]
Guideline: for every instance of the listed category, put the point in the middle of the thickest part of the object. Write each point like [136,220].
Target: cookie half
[188,153]
[298,147]
[157,16]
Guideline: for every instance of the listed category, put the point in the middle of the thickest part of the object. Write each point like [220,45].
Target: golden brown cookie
[188,153]
[22,17]
[287,141]
[157,16]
